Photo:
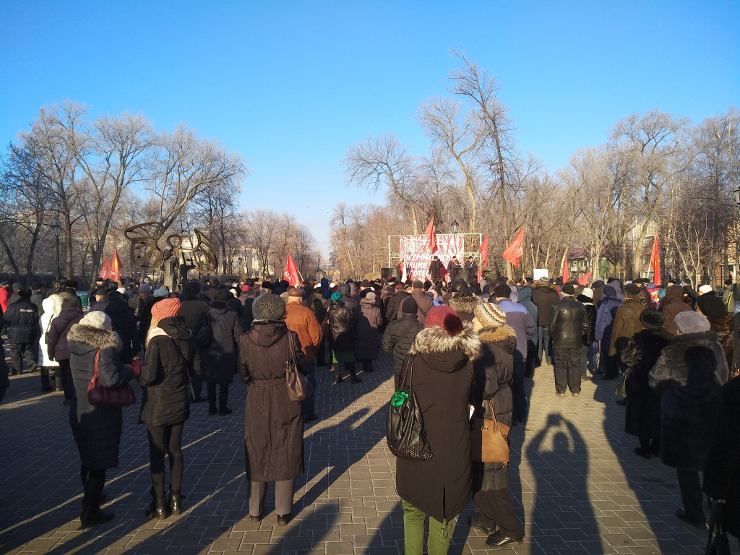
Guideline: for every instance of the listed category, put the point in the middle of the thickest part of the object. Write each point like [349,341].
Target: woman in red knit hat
[165,406]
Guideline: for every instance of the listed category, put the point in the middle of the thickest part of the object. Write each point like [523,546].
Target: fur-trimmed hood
[465,303]
[95,338]
[436,340]
[504,336]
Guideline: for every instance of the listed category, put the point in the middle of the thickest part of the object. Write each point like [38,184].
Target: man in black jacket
[544,296]
[435,269]
[391,311]
[195,314]
[22,324]
[400,335]
[568,325]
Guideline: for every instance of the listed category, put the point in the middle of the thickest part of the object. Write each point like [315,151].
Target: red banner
[105,268]
[515,251]
[483,257]
[566,269]
[655,260]
[432,236]
[584,279]
[291,273]
[115,266]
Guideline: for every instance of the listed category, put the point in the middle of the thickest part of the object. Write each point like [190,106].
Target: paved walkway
[582,488]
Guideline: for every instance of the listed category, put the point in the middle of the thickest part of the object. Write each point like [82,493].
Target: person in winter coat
[58,347]
[52,307]
[671,306]
[435,269]
[519,319]
[124,322]
[273,425]
[165,403]
[525,299]
[494,372]
[441,374]
[463,302]
[219,359]
[720,322]
[604,325]
[96,430]
[642,417]
[400,335]
[194,312]
[471,270]
[544,296]
[423,300]
[454,269]
[626,321]
[22,325]
[592,347]
[303,322]
[568,331]
[37,297]
[722,469]
[688,378]
[394,302]
[369,322]
[343,333]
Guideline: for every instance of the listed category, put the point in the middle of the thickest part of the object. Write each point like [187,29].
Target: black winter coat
[56,340]
[342,325]
[124,324]
[590,307]
[393,308]
[568,324]
[643,405]
[195,314]
[273,425]
[398,338]
[722,470]
[687,378]
[494,371]
[164,375]
[219,359]
[441,371]
[22,322]
[97,430]
[369,322]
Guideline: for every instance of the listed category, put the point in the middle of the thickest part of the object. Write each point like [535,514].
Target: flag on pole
[655,260]
[584,279]
[115,266]
[483,250]
[105,268]
[515,251]
[291,273]
[432,236]
[566,269]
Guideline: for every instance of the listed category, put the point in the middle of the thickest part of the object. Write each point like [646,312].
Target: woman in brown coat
[441,377]
[671,306]
[273,425]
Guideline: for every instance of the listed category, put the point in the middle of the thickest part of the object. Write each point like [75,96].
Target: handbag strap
[493,412]
[408,371]
[291,348]
[96,369]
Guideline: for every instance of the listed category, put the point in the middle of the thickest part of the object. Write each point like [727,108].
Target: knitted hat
[161,292]
[652,319]
[588,292]
[268,307]
[409,306]
[689,321]
[445,318]
[97,319]
[711,306]
[166,308]
[370,296]
[502,291]
[295,292]
[490,315]
[631,290]
[568,289]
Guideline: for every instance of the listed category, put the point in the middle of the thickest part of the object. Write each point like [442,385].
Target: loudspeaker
[388,273]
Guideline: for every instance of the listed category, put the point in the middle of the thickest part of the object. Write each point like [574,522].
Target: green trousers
[413,532]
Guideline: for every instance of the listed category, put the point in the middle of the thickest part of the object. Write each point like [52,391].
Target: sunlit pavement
[582,488]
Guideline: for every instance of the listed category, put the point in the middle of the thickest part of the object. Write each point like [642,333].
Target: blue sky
[291,85]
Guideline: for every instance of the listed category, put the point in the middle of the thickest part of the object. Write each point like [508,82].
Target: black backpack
[404,428]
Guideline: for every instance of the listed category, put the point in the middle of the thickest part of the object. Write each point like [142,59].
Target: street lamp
[455,226]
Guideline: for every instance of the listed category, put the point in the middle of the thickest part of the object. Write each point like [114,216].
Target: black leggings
[165,439]
[223,396]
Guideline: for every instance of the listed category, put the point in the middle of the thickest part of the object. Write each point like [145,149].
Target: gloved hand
[136,366]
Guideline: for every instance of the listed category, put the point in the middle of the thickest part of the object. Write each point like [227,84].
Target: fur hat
[632,291]
[652,319]
[409,306]
[588,292]
[568,289]
[502,291]
[166,308]
[370,296]
[295,292]
[711,306]
[490,315]
[161,292]
[97,319]
[445,318]
[689,321]
[418,284]
[705,289]
[268,307]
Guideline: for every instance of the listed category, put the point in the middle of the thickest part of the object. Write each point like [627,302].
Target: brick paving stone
[579,487]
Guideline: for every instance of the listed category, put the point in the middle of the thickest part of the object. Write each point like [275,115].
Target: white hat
[705,289]
[97,319]
[332,284]
[588,292]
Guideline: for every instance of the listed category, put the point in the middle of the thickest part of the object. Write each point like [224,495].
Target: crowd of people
[471,347]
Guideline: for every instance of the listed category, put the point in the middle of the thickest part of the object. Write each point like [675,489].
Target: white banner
[414,252]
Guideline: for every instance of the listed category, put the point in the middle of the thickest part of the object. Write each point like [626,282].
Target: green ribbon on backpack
[399,398]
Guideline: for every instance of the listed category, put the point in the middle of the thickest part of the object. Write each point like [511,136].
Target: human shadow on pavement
[654,485]
[562,511]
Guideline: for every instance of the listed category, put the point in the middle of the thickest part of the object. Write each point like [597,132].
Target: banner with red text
[415,252]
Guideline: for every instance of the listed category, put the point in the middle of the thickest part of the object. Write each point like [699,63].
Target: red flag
[483,250]
[566,269]
[584,279]
[432,236]
[105,268]
[515,250]
[655,260]
[115,266]
[291,273]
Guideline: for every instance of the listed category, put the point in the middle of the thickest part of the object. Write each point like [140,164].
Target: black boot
[45,384]
[175,504]
[92,514]
[157,509]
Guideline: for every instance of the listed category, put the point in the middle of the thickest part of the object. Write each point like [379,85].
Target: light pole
[455,226]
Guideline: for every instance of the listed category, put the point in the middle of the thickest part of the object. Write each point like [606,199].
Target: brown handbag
[100,396]
[489,439]
[299,388]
